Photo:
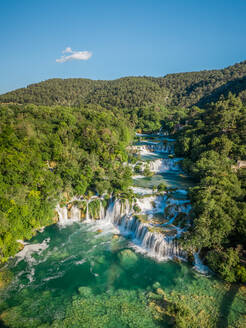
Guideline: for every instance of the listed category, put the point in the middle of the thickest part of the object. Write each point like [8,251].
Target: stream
[99,272]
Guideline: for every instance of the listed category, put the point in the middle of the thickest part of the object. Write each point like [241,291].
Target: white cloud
[75,55]
[68,49]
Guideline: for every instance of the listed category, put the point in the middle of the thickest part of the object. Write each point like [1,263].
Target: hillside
[125,92]
[181,89]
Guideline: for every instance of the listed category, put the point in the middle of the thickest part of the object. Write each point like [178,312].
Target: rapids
[152,227]
[98,272]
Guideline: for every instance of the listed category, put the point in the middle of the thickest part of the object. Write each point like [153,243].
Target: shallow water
[77,257]
[76,276]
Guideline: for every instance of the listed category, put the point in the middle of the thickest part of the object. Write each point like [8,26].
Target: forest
[69,137]
[180,89]
[53,153]
[50,153]
[212,142]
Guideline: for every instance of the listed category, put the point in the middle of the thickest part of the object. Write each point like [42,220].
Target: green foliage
[162,187]
[94,209]
[46,151]
[136,208]
[147,172]
[225,263]
[5,278]
[218,201]
[108,310]
[138,168]
[183,89]
[175,313]
[241,273]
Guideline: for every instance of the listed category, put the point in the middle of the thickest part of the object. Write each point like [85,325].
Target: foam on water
[138,176]
[142,191]
[120,214]
[29,249]
[199,266]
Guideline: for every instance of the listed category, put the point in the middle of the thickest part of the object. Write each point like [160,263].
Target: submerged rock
[116,236]
[128,258]
[85,291]
[5,278]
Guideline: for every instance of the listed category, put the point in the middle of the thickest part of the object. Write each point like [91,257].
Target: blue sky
[117,38]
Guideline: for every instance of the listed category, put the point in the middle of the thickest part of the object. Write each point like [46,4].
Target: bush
[162,187]
[241,274]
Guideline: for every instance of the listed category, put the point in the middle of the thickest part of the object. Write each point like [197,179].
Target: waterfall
[199,266]
[167,148]
[110,211]
[74,214]
[120,214]
[156,244]
[146,235]
[102,212]
[87,217]
[67,216]
[157,238]
[62,214]
[115,212]
[164,164]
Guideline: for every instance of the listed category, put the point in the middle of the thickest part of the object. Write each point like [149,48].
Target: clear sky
[114,38]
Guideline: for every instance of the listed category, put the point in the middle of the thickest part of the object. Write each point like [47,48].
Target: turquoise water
[82,277]
[77,257]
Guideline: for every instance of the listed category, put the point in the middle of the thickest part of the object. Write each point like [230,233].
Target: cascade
[120,214]
[87,217]
[164,164]
[199,266]
[102,212]
[67,216]
[158,240]
[155,244]
[167,148]
[74,214]
[62,213]
[71,213]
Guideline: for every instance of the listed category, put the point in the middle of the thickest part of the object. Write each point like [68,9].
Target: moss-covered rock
[94,209]
[5,278]
[127,258]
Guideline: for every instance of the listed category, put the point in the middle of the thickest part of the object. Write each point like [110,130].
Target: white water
[87,217]
[138,176]
[142,191]
[156,244]
[29,249]
[199,266]
[159,147]
[162,165]
[75,214]
[156,239]
[63,215]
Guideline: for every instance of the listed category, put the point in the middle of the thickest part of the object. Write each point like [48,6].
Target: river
[99,274]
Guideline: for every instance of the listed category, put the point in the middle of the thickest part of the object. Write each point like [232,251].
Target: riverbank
[110,272]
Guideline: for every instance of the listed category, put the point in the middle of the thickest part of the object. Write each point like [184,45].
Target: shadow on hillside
[225,307]
[2,325]
[235,87]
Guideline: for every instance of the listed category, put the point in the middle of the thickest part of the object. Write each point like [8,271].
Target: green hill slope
[181,89]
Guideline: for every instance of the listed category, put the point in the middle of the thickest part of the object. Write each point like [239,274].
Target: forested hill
[199,88]
[181,89]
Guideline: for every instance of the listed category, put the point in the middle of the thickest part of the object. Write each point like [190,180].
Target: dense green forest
[77,146]
[49,152]
[212,142]
[182,89]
